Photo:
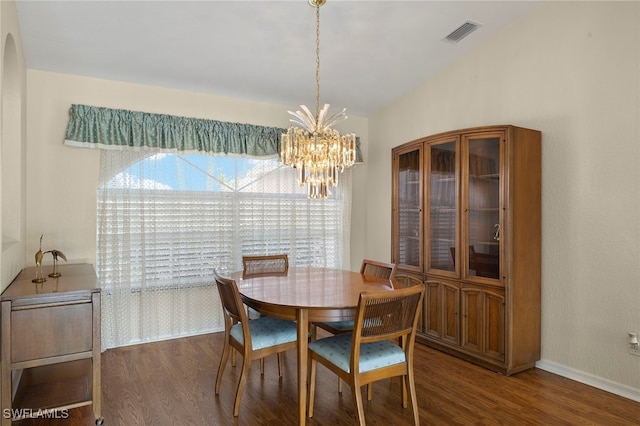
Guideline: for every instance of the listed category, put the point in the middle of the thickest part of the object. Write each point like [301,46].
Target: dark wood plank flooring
[172,383]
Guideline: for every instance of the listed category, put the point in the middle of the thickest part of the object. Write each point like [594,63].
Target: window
[166,220]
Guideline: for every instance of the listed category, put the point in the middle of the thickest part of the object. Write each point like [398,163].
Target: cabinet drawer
[51,331]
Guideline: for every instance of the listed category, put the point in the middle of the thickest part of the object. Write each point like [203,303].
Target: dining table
[307,295]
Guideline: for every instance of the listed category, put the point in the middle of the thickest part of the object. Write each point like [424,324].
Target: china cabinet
[466,221]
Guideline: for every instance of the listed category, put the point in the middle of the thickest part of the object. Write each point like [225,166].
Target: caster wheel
[100,421]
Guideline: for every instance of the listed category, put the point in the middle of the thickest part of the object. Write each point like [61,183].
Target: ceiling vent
[461,32]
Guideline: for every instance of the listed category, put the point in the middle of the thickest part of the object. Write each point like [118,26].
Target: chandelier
[314,149]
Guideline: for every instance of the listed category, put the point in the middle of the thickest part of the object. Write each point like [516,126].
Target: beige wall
[571,70]
[62,180]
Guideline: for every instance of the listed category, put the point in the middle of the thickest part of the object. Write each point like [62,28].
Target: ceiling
[371,52]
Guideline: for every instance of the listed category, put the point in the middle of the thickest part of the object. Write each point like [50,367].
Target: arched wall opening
[11,160]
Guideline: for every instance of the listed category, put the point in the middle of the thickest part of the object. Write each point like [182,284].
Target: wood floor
[172,383]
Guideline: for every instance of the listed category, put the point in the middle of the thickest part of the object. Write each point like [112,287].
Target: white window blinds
[166,220]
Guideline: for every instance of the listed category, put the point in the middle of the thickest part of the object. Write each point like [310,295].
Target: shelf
[450,241]
[442,266]
[55,386]
[490,177]
[486,243]
[485,210]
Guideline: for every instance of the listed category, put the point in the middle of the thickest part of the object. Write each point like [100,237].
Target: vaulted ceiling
[371,52]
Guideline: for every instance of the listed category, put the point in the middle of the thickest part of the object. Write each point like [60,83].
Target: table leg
[303,344]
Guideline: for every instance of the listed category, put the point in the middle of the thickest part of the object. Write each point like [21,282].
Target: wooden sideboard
[50,334]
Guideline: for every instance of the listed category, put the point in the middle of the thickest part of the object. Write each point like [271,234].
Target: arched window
[166,220]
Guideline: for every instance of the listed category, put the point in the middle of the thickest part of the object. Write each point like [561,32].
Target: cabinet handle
[496,234]
[27,303]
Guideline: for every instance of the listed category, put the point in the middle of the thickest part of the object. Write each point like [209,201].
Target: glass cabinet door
[409,209]
[442,206]
[483,225]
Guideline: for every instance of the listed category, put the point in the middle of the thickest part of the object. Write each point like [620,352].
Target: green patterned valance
[106,128]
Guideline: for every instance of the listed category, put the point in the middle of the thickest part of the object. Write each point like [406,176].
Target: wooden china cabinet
[466,221]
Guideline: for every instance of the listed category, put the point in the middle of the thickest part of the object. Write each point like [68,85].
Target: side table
[50,336]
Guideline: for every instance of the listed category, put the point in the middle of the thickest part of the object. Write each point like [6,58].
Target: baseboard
[590,379]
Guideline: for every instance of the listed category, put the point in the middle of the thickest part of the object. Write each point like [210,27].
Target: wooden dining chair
[263,266]
[253,339]
[373,351]
[404,281]
[378,269]
[369,267]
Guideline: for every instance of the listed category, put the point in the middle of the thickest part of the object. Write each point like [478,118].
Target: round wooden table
[306,295]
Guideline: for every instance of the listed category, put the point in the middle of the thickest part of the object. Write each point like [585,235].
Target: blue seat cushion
[348,325]
[267,332]
[341,325]
[337,349]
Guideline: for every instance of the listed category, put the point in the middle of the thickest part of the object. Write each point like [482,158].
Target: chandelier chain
[317,61]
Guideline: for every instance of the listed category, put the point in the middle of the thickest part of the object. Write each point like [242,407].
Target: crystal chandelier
[314,149]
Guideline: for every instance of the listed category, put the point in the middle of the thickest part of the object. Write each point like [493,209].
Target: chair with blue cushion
[371,268]
[262,266]
[380,346]
[253,339]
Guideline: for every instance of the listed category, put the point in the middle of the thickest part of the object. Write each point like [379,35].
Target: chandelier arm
[310,117]
[321,118]
[338,116]
[300,123]
[305,117]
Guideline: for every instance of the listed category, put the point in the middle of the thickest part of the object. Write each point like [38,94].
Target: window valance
[107,128]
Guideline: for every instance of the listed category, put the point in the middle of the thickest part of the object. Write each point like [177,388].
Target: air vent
[461,32]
